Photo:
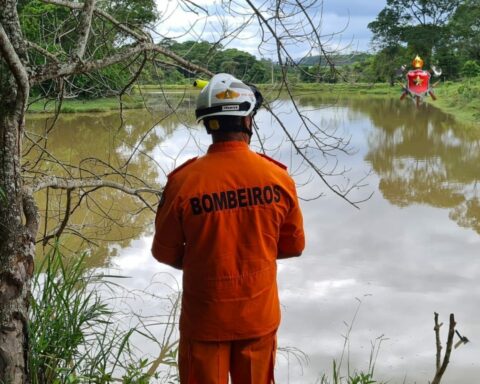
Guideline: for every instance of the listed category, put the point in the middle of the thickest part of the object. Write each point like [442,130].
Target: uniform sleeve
[292,236]
[168,241]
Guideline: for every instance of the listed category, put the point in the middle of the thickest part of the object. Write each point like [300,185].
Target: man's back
[228,215]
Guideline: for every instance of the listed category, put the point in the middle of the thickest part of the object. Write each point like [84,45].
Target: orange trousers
[248,361]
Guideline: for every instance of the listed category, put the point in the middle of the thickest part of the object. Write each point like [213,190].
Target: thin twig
[446,358]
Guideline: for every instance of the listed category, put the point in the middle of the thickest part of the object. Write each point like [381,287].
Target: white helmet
[225,95]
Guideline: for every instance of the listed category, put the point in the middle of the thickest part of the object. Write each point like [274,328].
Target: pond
[412,248]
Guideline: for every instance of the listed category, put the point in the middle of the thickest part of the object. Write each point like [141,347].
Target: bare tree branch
[58,182]
[15,64]
[64,222]
[77,6]
[128,85]
[56,70]
[437,342]
[191,5]
[84,28]
[446,358]
[42,51]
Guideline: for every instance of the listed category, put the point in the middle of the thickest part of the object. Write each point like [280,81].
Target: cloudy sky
[347,19]
[355,14]
[402,262]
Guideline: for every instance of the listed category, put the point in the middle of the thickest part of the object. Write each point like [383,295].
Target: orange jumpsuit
[224,219]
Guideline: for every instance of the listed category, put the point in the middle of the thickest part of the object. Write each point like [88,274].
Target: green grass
[167,87]
[75,336]
[347,89]
[461,99]
[86,105]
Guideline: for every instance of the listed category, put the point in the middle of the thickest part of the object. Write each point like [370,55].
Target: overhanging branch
[56,70]
[15,65]
[71,184]
[42,51]
[78,6]
[61,183]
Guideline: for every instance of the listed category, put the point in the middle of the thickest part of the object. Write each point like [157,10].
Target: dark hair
[224,124]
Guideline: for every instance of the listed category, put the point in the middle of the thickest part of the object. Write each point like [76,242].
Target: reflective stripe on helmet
[205,112]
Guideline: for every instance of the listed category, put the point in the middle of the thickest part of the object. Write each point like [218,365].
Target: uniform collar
[227,146]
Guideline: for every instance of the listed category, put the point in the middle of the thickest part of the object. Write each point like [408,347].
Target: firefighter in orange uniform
[224,219]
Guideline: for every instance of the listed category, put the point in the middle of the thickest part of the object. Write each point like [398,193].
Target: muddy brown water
[411,250]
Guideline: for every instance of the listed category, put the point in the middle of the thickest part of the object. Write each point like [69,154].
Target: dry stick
[132,80]
[47,200]
[63,183]
[446,358]
[64,221]
[42,51]
[438,342]
[58,109]
[167,346]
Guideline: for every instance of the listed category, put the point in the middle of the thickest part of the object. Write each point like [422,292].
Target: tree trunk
[16,262]
[16,246]
[17,234]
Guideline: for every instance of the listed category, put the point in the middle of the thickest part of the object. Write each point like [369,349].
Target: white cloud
[343,26]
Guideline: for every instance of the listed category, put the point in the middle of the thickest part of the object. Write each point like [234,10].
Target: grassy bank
[461,99]
[344,89]
[135,101]
[86,105]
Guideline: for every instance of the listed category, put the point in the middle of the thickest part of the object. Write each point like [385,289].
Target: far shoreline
[460,99]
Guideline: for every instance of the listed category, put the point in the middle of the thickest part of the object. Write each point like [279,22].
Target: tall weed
[345,375]
[75,337]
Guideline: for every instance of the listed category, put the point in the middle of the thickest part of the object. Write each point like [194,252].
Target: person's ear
[247,122]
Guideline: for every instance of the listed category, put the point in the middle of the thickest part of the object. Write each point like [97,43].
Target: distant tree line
[445,33]
[217,59]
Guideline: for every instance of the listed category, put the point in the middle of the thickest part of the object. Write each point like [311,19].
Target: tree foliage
[471,69]
[50,27]
[418,23]
[443,32]
[465,30]
[216,58]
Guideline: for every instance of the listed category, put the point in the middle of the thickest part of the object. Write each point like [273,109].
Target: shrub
[471,69]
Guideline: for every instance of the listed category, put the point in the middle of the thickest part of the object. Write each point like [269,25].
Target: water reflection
[403,253]
[99,145]
[424,156]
